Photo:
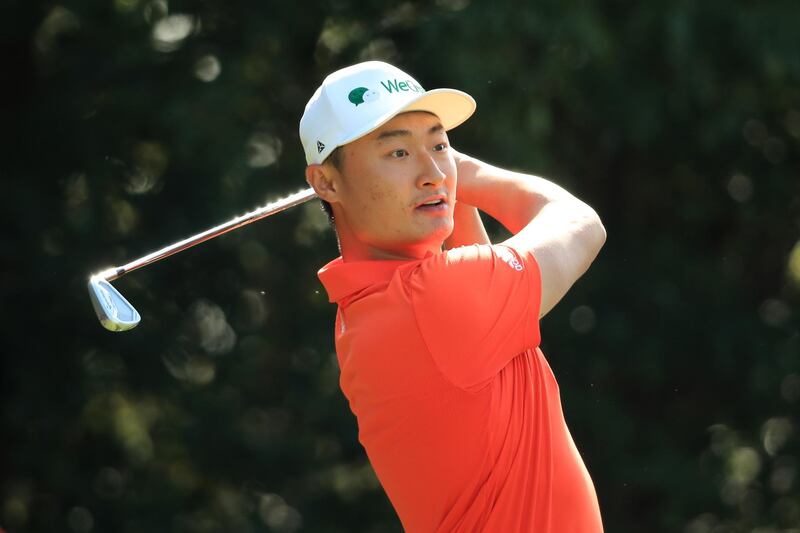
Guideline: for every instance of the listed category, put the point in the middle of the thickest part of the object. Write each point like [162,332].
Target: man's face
[396,189]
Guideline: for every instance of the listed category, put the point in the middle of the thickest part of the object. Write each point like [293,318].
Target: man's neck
[353,249]
[368,253]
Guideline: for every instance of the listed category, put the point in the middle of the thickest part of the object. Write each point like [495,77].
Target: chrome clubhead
[113,310]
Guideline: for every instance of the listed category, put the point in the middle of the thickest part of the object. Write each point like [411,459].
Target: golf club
[117,314]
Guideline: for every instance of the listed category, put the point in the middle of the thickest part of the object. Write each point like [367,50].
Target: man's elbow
[594,234]
[599,231]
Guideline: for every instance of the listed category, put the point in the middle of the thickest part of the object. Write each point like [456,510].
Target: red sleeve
[477,308]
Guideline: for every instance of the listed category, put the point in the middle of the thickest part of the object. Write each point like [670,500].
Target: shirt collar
[342,279]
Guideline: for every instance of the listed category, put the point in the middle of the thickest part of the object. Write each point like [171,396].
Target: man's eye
[399,153]
[441,147]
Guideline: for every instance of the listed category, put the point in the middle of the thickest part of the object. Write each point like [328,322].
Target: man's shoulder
[466,262]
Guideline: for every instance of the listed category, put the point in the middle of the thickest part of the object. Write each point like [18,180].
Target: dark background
[129,124]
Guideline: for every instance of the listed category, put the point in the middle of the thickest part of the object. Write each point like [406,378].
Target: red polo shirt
[457,407]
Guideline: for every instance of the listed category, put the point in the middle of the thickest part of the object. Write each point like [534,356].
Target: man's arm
[468,228]
[563,233]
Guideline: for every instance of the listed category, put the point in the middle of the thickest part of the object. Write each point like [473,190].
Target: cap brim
[452,106]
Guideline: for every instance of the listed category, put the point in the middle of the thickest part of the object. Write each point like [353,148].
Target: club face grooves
[113,310]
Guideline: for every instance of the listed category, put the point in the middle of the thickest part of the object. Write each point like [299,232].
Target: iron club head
[113,310]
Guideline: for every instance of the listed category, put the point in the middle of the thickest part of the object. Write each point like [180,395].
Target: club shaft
[270,209]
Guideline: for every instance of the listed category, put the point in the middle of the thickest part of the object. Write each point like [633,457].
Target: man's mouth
[434,203]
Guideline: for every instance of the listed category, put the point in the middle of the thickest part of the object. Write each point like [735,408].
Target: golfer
[437,330]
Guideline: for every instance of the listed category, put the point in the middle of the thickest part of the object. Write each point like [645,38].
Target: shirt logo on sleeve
[509,258]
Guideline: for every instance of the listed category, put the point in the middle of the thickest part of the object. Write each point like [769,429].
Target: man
[437,329]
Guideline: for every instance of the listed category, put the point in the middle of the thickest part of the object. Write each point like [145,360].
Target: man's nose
[429,172]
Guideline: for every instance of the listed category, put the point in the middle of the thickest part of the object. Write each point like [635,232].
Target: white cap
[358,99]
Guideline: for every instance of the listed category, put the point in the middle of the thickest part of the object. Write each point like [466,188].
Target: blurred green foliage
[129,124]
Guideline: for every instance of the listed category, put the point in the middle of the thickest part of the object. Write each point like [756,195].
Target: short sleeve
[477,308]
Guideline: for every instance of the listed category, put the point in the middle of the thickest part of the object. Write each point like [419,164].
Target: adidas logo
[320,147]
[509,258]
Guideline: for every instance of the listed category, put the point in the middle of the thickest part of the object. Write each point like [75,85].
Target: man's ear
[323,179]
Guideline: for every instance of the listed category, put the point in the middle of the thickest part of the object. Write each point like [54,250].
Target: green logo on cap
[359,95]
